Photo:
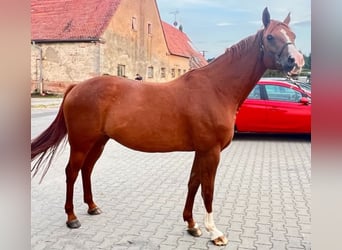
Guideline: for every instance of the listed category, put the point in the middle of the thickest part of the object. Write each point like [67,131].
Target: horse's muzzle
[294,62]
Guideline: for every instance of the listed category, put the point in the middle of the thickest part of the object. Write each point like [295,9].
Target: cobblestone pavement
[262,197]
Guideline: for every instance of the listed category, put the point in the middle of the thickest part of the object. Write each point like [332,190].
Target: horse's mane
[240,48]
[234,52]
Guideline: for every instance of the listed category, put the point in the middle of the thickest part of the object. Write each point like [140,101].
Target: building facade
[76,40]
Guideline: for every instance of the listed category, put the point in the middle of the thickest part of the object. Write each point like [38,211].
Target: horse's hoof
[73,224]
[220,241]
[94,211]
[195,231]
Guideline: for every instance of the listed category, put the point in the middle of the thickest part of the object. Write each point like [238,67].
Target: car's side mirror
[305,100]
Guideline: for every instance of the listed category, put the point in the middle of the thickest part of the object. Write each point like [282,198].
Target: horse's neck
[238,70]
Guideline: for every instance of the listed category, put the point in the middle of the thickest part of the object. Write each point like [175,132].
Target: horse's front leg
[209,163]
[194,182]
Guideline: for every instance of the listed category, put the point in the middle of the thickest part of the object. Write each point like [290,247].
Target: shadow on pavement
[272,137]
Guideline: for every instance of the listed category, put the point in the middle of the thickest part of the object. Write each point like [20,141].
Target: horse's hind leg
[74,165]
[86,170]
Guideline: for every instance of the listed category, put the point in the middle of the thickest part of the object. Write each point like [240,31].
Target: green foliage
[305,71]
[307,65]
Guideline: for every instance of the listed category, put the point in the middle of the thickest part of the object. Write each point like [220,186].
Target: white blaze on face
[293,52]
[287,38]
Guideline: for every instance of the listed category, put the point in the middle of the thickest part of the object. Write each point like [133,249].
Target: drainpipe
[40,79]
[98,55]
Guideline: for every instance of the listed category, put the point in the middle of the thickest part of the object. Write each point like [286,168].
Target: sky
[214,25]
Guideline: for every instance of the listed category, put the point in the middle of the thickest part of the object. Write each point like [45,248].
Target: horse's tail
[44,147]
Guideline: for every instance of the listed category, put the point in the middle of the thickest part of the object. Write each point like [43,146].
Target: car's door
[285,112]
[251,116]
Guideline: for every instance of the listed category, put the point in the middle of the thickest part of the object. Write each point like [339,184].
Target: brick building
[73,40]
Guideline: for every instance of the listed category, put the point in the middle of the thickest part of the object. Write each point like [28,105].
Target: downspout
[98,55]
[40,78]
[97,65]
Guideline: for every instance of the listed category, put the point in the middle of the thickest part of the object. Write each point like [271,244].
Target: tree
[307,62]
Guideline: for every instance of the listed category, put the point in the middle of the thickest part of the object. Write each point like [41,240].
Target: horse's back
[142,116]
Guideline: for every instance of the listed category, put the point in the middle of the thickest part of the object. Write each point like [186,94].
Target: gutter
[69,40]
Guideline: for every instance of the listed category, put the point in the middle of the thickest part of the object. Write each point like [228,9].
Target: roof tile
[70,19]
[179,44]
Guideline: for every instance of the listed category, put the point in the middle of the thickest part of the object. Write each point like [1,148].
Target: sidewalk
[45,102]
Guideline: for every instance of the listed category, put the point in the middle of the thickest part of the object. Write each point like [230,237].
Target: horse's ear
[266,18]
[287,19]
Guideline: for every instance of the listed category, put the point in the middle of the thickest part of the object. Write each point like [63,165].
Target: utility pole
[203,52]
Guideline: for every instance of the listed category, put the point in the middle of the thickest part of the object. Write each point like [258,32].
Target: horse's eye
[269,37]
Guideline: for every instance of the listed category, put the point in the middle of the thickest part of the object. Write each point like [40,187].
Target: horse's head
[278,44]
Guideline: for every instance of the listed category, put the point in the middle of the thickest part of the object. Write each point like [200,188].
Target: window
[134,23]
[173,73]
[179,72]
[121,70]
[255,94]
[280,93]
[150,72]
[162,72]
[149,28]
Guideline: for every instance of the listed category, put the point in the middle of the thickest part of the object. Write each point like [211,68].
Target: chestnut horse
[195,112]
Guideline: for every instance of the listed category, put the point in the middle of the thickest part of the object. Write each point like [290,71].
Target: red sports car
[275,107]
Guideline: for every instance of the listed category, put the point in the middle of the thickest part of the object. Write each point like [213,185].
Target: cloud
[305,22]
[258,23]
[223,24]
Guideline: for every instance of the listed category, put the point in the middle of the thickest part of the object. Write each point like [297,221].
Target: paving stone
[247,242]
[278,235]
[264,239]
[278,244]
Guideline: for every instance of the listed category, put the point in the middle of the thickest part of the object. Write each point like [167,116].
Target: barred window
[121,70]
[173,73]
[134,23]
[150,72]
[162,72]
[149,28]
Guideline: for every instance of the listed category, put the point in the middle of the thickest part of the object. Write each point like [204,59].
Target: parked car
[275,107]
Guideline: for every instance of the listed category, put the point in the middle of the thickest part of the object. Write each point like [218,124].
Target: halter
[262,47]
[282,49]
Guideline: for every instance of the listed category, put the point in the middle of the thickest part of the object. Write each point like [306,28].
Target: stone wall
[64,63]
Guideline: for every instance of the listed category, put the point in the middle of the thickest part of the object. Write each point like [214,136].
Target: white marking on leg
[210,226]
